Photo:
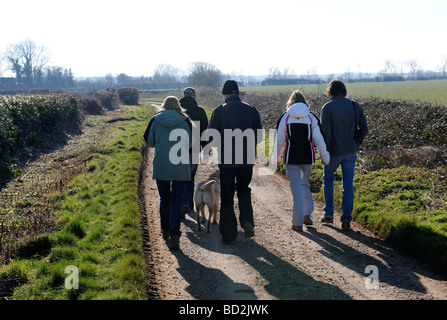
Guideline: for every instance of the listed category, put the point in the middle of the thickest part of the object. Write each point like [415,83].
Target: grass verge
[99,234]
[405,206]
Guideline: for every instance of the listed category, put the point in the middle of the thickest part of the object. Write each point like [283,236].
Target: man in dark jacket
[197,114]
[237,124]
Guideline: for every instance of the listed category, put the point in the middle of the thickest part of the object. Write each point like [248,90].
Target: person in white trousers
[298,133]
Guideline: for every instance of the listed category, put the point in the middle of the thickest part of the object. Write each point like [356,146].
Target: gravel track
[322,262]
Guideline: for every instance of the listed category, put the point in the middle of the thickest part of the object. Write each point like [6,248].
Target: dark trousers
[231,180]
[188,194]
[171,205]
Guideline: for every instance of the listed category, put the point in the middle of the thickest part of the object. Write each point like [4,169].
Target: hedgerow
[128,95]
[26,119]
[400,133]
[108,98]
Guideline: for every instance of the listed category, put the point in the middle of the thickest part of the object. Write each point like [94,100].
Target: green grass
[99,231]
[405,206]
[433,91]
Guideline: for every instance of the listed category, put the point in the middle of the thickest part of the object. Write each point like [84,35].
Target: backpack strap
[312,140]
[287,140]
[279,120]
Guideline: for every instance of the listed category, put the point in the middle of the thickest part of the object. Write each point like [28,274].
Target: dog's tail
[207,185]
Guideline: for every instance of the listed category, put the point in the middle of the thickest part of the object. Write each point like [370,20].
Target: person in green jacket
[169,132]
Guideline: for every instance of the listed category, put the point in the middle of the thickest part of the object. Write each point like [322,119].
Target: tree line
[29,64]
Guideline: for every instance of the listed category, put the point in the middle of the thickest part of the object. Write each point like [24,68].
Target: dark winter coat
[195,113]
[227,119]
[338,122]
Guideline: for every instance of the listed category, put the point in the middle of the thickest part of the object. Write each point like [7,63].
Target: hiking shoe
[165,234]
[249,230]
[185,210]
[229,242]
[297,228]
[307,220]
[345,226]
[327,220]
[175,243]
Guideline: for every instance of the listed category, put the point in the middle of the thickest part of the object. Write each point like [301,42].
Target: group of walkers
[337,137]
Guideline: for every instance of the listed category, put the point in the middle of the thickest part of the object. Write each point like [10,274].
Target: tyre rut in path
[322,262]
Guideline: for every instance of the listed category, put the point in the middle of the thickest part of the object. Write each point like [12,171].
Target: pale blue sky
[247,37]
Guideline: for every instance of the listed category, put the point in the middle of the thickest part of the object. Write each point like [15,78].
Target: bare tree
[443,67]
[287,72]
[347,76]
[166,73]
[415,68]
[274,73]
[203,74]
[123,79]
[27,61]
[312,74]
[1,65]
[391,68]
[109,80]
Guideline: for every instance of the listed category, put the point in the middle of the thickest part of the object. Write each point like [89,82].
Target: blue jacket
[338,123]
[171,158]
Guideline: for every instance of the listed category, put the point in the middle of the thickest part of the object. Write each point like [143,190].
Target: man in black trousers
[238,124]
[198,114]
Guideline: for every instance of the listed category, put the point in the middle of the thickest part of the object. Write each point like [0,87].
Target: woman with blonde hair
[169,132]
[298,130]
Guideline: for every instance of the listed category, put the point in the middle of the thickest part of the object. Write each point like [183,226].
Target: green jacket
[171,158]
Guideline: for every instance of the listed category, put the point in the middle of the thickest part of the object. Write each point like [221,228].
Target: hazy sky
[246,37]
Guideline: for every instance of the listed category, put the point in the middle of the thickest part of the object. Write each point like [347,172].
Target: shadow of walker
[284,281]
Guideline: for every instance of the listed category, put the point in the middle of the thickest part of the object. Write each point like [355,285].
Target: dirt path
[322,262]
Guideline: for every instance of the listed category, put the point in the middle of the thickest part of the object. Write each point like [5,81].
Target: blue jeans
[347,163]
[303,203]
[171,205]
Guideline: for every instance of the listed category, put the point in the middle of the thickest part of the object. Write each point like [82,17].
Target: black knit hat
[230,87]
[189,92]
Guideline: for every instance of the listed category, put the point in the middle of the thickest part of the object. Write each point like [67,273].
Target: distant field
[434,91]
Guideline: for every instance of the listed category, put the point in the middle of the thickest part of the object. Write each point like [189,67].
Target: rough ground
[322,262]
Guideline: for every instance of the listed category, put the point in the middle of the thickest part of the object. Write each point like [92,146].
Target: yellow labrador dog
[208,193]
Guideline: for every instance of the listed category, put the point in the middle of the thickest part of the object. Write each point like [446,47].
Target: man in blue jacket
[339,118]
[237,124]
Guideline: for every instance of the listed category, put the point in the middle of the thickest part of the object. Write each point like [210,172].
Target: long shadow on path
[391,270]
[284,281]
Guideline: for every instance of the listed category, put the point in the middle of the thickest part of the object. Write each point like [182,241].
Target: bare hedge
[128,95]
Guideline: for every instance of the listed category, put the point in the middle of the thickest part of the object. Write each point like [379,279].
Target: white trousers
[303,203]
